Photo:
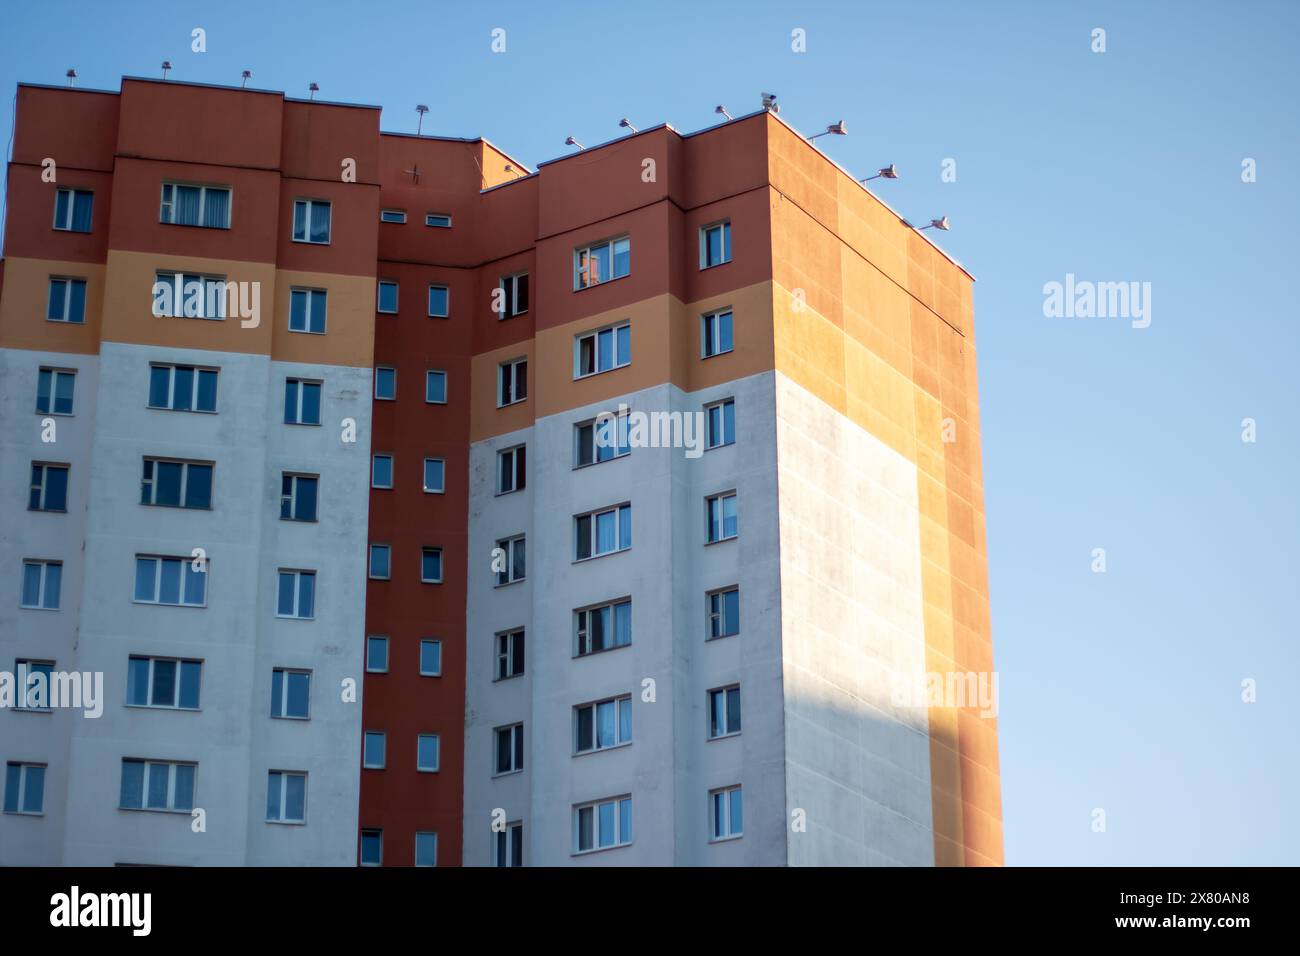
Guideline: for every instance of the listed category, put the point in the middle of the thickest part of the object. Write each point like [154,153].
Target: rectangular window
[512,469]
[509,558]
[603,824]
[594,264]
[387,303]
[430,657]
[290,694]
[32,684]
[188,295]
[435,387]
[512,382]
[426,848]
[438,220]
[67,301]
[426,753]
[386,383]
[286,797]
[510,748]
[184,205]
[24,788]
[298,496]
[311,221]
[392,215]
[602,627]
[602,532]
[172,581]
[54,391]
[510,653]
[715,244]
[72,210]
[301,402]
[431,565]
[307,309]
[296,594]
[715,333]
[720,419]
[508,845]
[601,439]
[602,724]
[726,812]
[513,299]
[183,388]
[724,711]
[372,847]
[721,513]
[377,655]
[435,476]
[163,682]
[374,753]
[157,785]
[724,612]
[602,350]
[381,562]
[176,484]
[381,471]
[439,302]
[49,489]
[42,581]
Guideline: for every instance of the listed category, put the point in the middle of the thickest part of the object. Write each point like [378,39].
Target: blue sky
[1120,690]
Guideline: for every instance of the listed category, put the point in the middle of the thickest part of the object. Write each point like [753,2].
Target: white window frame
[711,332]
[508,382]
[509,545]
[446,386]
[620,425]
[582,259]
[594,336]
[429,301]
[20,798]
[206,282]
[297,574]
[725,226]
[186,464]
[385,398]
[46,467]
[594,706]
[594,807]
[430,642]
[437,753]
[194,387]
[721,406]
[299,387]
[717,824]
[392,470]
[295,478]
[382,735]
[424,477]
[167,206]
[718,615]
[361,846]
[503,648]
[282,675]
[153,660]
[307,312]
[55,375]
[284,776]
[25,694]
[517,761]
[424,550]
[379,296]
[394,217]
[66,318]
[727,730]
[720,500]
[517,471]
[45,566]
[370,561]
[72,204]
[582,627]
[426,833]
[429,218]
[506,836]
[307,205]
[187,569]
[378,640]
[171,766]
[509,286]
[617,511]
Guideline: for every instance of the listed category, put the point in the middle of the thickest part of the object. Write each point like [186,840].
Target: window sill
[180,710]
[725,839]
[24,813]
[717,354]
[715,265]
[724,736]
[167,810]
[518,401]
[603,750]
[725,444]
[287,823]
[602,849]
[311,242]
[721,540]
[188,411]
[603,282]
[604,554]
[507,773]
[191,225]
[32,607]
[604,371]
[506,584]
[55,414]
[306,331]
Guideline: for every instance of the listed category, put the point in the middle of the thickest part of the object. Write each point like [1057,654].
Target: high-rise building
[611,513]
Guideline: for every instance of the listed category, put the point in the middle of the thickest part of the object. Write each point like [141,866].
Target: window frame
[518,471]
[55,374]
[152,660]
[376,640]
[370,561]
[509,646]
[517,761]
[385,398]
[393,217]
[582,627]
[186,569]
[594,335]
[23,691]
[510,371]
[282,675]
[46,467]
[714,821]
[429,642]
[430,216]
[69,282]
[24,768]
[721,498]
[592,516]
[195,389]
[582,262]
[204,189]
[719,616]
[42,590]
[425,552]
[509,286]
[446,299]
[378,833]
[186,464]
[392,470]
[594,706]
[297,574]
[72,193]
[510,545]
[309,313]
[594,807]
[711,332]
[299,386]
[366,736]
[146,771]
[284,775]
[295,478]
[446,386]
[437,747]
[725,690]
[424,477]
[380,285]
[308,203]
[725,243]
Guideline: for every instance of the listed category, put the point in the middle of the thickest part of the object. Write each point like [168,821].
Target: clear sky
[1119,691]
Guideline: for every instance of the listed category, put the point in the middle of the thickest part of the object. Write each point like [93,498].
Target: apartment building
[673,481]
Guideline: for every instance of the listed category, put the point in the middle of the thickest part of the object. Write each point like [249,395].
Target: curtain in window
[186,208]
[216,209]
[81,205]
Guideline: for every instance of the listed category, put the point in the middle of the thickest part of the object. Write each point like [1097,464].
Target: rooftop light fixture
[769,103]
[246,75]
[836,128]
[570,141]
[72,77]
[722,110]
[312,89]
[627,125]
[885,172]
[166,66]
[421,109]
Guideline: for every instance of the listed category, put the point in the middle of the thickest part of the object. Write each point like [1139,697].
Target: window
[426,753]
[386,383]
[715,332]
[611,259]
[510,653]
[431,565]
[392,215]
[508,845]
[183,388]
[377,655]
[603,724]
[430,658]
[49,490]
[188,295]
[510,748]
[722,516]
[380,562]
[67,301]
[439,302]
[601,825]
[301,402]
[426,848]
[296,597]
[715,244]
[298,495]
[176,484]
[509,560]
[72,209]
[372,847]
[513,299]
[724,711]
[290,694]
[381,471]
[173,581]
[600,439]
[374,752]
[724,612]
[207,206]
[438,220]
[512,382]
[307,310]
[720,419]
[163,682]
[727,813]
[311,221]
[41,584]
[156,785]
[435,387]
[603,627]
[286,797]
[435,476]
[603,532]
[54,390]
[387,303]
[25,787]
[33,684]
[512,469]
[602,350]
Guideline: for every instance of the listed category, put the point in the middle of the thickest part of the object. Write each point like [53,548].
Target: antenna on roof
[313,88]
[72,77]
[166,66]
[421,109]
[247,75]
